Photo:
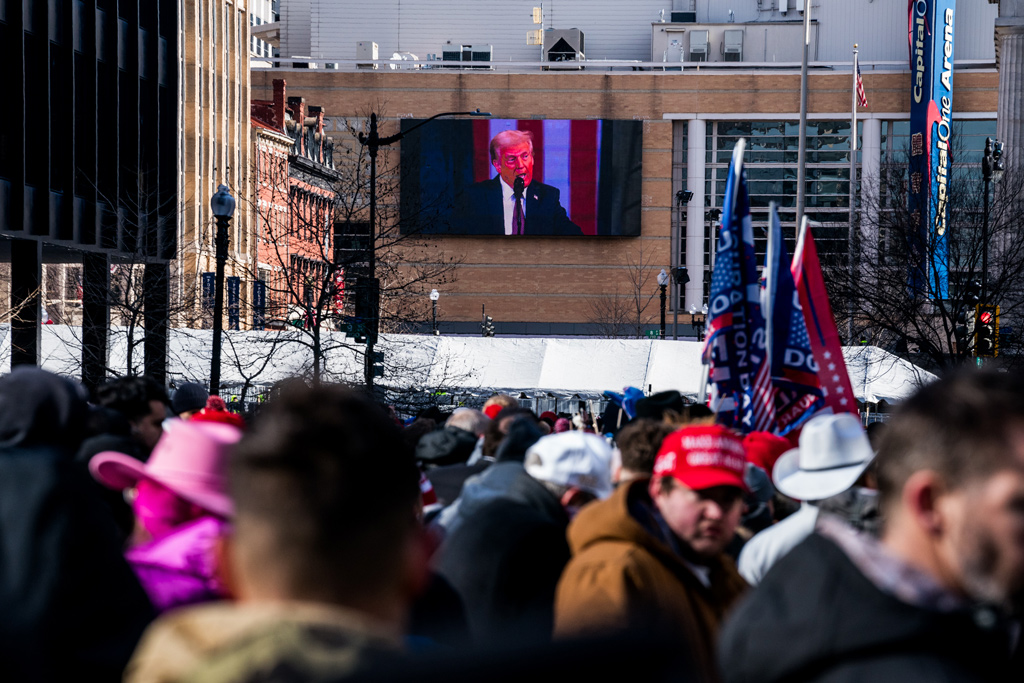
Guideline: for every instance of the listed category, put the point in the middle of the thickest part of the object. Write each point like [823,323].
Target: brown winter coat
[622,577]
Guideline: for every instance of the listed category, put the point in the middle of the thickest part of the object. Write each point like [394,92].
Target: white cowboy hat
[834,451]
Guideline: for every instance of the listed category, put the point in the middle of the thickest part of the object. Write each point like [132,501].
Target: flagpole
[853,138]
[768,297]
[801,171]
[850,249]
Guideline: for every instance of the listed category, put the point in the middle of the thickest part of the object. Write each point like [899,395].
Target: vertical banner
[234,285]
[931,116]
[259,305]
[209,282]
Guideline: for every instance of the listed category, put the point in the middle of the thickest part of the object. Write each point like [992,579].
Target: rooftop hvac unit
[564,46]
[732,45]
[684,17]
[699,46]
[366,49]
[467,53]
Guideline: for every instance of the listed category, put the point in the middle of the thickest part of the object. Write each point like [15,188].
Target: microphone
[519,186]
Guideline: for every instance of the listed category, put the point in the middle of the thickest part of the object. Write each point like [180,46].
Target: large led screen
[509,177]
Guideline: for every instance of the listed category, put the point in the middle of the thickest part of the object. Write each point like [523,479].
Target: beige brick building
[213,140]
[556,284]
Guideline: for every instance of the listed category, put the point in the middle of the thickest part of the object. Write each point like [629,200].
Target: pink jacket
[179,568]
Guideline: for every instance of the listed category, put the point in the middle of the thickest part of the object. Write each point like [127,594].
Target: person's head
[875,430]
[576,467]
[419,428]
[639,442]
[185,477]
[498,402]
[189,399]
[833,455]
[951,483]
[657,405]
[691,414]
[216,410]
[698,487]
[39,409]
[499,426]
[512,155]
[142,401]
[764,449]
[326,497]
[470,420]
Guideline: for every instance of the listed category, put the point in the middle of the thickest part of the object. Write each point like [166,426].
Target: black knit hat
[189,396]
[655,405]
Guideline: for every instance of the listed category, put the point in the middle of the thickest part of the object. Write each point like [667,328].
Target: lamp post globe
[662,283]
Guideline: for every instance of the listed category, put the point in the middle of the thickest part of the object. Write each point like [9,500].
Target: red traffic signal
[986,329]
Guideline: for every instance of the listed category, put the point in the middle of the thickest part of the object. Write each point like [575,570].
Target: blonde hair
[507,138]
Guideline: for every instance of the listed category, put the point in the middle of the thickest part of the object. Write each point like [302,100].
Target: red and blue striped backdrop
[567,155]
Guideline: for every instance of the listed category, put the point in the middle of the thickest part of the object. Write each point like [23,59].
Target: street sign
[654,334]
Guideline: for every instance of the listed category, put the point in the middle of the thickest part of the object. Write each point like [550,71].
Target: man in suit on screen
[512,203]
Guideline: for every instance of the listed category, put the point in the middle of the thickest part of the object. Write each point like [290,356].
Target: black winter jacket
[505,556]
[816,617]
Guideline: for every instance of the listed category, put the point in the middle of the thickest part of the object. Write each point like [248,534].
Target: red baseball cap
[703,456]
[764,448]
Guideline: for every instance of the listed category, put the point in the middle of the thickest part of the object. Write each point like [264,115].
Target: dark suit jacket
[479,211]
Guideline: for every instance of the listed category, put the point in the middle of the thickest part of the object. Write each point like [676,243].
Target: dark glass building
[88,133]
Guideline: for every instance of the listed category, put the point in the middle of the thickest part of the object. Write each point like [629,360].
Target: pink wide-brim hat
[191,459]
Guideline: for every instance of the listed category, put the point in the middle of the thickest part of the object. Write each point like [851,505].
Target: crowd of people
[154,537]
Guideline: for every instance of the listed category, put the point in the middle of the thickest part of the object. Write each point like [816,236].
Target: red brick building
[294,195]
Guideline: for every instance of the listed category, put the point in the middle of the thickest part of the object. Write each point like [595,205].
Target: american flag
[741,386]
[862,98]
[798,394]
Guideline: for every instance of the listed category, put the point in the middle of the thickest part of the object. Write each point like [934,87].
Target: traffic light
[487,326]
[972,292]
[960,331]
[367,296]
[986,326]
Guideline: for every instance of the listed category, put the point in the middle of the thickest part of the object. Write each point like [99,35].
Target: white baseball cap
[575,459]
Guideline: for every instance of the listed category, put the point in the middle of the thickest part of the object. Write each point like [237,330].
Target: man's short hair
[639,442]
[470,420]
[324,483]
[960,426]
[507,138]
[130,396]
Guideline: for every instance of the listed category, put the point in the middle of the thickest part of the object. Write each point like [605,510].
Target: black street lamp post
[373,143]
[662,285]
[992,168]
[222,204]
[434,296]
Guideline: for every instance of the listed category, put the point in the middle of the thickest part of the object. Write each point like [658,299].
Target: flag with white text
[798,395]
[740,377]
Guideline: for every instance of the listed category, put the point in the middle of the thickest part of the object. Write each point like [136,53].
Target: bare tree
[315,245]
[625,314]
[896,295]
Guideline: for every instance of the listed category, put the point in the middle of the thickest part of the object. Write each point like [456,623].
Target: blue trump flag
[798,394]
[735,349]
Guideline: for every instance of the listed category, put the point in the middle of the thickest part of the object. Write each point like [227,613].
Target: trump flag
[798,394]
[735,349]
[821,326]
